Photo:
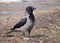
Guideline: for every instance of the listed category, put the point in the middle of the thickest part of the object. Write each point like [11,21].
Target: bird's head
[30,9]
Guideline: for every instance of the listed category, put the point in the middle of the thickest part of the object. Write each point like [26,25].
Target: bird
[25,24]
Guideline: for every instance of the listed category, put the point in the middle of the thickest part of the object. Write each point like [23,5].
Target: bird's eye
[27,9]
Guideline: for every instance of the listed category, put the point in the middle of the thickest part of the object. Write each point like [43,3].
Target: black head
[30,9]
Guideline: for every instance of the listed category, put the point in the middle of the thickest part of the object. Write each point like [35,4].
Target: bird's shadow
[9,35]
[37,36]
[31,36]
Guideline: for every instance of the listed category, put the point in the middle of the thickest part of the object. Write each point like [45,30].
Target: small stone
[26,38]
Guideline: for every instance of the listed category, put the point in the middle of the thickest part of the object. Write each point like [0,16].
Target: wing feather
[20,23]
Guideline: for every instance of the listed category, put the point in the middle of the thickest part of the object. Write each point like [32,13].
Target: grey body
[29,24]
[25,24]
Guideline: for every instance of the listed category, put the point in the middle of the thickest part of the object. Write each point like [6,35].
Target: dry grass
[46,29]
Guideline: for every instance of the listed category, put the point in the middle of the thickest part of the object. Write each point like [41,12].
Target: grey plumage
[26,24]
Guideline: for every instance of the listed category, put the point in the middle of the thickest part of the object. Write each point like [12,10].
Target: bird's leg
[29,33]
[24,34]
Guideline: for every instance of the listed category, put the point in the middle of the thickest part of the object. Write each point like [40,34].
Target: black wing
[20,23]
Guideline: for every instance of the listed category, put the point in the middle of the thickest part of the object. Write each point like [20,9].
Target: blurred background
[22,4]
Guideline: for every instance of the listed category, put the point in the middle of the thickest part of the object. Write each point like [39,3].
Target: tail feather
[9,32]
[12,30]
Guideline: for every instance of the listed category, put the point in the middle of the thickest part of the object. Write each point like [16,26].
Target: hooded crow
[25,24]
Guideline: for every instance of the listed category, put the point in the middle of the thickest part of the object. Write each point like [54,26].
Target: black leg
[29,33]
[23,34]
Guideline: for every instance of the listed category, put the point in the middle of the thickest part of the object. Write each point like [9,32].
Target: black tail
[12,30]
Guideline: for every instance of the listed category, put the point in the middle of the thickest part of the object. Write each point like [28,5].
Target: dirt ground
[46,28]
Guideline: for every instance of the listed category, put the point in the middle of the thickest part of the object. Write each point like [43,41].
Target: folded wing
[18,25]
